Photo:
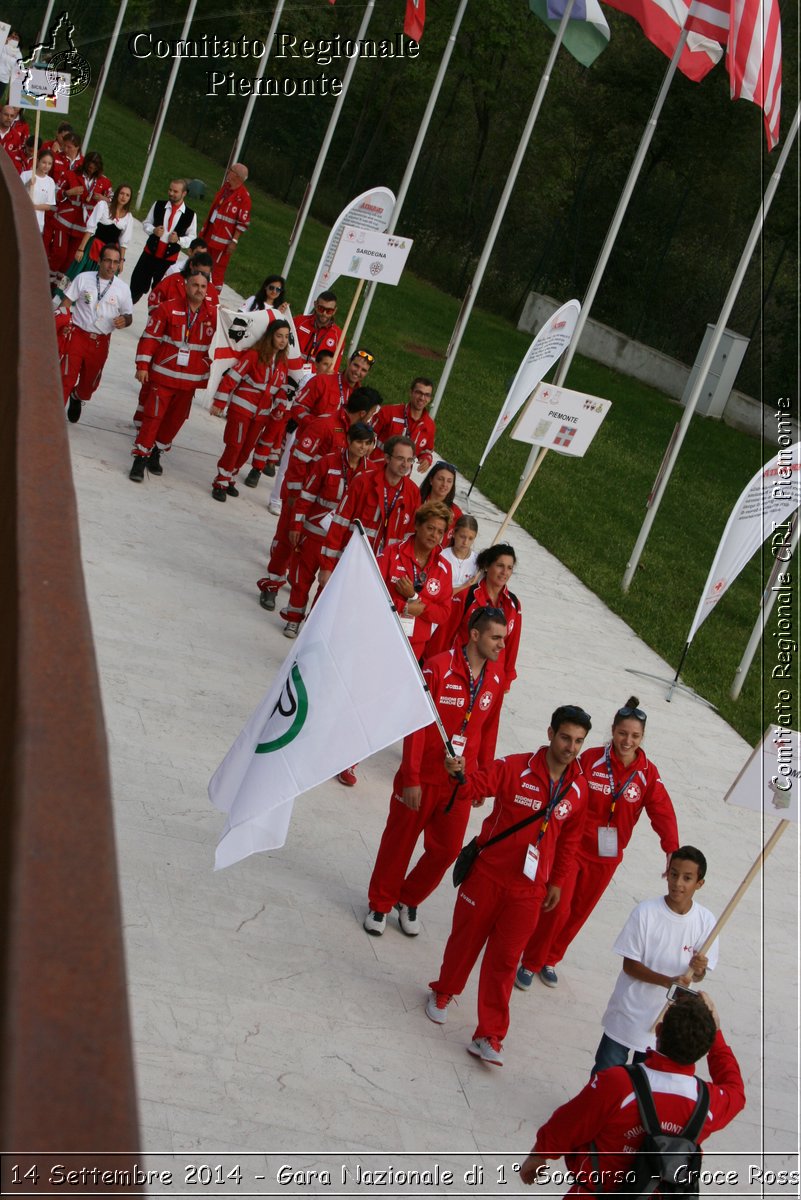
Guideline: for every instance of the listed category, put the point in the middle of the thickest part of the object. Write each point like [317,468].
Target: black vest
[180,227]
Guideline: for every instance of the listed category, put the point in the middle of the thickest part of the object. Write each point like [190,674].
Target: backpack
[666,1163]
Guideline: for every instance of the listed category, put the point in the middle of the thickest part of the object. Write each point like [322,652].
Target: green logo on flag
[297,707]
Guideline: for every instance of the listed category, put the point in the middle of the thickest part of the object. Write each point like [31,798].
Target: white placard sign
[769,781]
[35,87]
[376,257]
[5,30]
[370,210]
[562,420]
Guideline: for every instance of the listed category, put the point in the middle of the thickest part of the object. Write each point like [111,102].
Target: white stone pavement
[265,1021]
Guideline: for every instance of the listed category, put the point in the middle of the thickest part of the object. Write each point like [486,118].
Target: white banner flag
[764,507]
[769,781]
[371,210]
[349,687]
[237,332]
[549,344]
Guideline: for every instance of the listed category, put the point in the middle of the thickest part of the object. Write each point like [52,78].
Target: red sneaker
[348,777]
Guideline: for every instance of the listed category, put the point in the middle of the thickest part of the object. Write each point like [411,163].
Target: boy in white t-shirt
[659,945]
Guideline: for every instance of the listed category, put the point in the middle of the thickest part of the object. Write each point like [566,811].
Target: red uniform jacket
[395,419]
[229,217]
[251,385]
[165,334]
[63,164]
[319,436]
[606,1113]
[173,287]
[521,785]
[642,789]
[448,680]
[323,488]
[73,211]
[454,630]
[12,139]
[398,562]
[322,394]
[311,339]
[386,512]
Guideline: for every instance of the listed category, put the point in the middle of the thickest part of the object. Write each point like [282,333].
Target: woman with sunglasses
[271,294]
[440,484]
[622,784]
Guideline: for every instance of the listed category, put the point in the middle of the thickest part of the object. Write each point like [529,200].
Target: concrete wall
[668,375]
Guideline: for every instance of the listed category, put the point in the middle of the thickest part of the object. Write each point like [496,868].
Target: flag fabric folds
[751,31]
[415,19]
[236,332]
[587,32]
[349,687]
[662,22]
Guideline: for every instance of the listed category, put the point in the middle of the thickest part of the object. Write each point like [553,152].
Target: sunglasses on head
[574,712]
[363,354]
[487,610]
[623,713]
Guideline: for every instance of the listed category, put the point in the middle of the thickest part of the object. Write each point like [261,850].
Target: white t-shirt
[462,569]
[101,215]
[44,192]
[663,941]
[96,302]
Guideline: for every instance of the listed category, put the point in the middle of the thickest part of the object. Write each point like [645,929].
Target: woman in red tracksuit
[440,484]
[252,387]
[419,582]
[623,784]
[78,192]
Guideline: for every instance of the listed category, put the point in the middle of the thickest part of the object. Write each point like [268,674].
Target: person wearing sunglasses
[324,394]
[623,784]
[316,330]
[412,420]
[271,294]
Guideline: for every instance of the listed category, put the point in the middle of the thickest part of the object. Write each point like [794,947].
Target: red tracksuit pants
[144,388]
[82,363]
[501,917]
[166,410]
[242,431]
[281,552]
[557,928]
[220,259]
[61,250]
[303,567]
[268,446]
[443,836]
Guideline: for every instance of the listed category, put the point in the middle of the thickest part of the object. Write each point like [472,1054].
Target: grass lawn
[586,511]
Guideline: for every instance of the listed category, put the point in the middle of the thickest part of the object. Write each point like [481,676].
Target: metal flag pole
[311,187]
[45,22]
[714,342]
[104,70]
[766,606]
[268,45]
[412,163]
[469,300]
[165,104]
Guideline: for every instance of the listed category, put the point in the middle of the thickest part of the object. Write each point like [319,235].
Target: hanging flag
[587,32]
[764,507]
[752,33]
[236,332]
[415,19]
[349,687]
[662,22]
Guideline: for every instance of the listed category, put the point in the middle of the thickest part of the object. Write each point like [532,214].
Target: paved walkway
[264,1019]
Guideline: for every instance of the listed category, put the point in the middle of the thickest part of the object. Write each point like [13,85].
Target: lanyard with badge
[607,834]
[183,349]
[386,513]
[102,295]
[533,852]
[458,740]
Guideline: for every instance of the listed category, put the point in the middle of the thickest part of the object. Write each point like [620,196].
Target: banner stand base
[672,687]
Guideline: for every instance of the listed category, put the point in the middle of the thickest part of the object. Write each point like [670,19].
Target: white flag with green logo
[349,687]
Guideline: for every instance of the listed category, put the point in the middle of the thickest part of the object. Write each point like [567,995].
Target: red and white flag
[662,22]
[752,33]
[415,19]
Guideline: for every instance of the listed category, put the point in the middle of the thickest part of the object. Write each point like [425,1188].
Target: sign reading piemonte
[366,254]
[562,420]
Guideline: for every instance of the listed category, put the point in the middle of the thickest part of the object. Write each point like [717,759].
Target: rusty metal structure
[66,1065]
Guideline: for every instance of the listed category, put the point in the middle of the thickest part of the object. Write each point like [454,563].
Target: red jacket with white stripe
[385,510]
[252,386]
[453,632]
[642,789]
[448,680]
[323,394]
[606,1113]
[311,339]
[394,419]
[164,337]
[73,211]
[323,488]
[521,785]
[318,437]
[399,562]
[173,287]
[229,217]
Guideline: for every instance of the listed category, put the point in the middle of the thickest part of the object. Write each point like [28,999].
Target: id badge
[458,741]
[183,356]
[607,841]
[531,863]
[407,624]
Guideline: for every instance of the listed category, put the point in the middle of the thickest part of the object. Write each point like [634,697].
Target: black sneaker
[220,494]
[233,490]
[252,478]
[269,470]
[137,472]
[154,462]
[267,600]
[74,409]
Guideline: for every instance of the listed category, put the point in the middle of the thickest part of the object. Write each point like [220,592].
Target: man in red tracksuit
[605,1116]
[512,880]
[173,357]
[316,330]
[385,502]
[325,485]
[468,692]
[410,419]
[320,437]
[228,219]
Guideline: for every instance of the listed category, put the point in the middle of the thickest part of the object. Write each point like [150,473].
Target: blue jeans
[613,1054]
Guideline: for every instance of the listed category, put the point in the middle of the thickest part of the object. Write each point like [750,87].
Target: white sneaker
[437,1007]
[375,923]
[489,1050]
[291,629]
[274,507]
[408,920]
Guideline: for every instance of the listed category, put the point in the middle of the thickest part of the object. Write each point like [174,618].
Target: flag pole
[714,342]
[348,318]
[412,163]
[766,608]
[104,70]
[300,221]
[251,104]
[165,104]
[467,306]
[614,228]
[45,22]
